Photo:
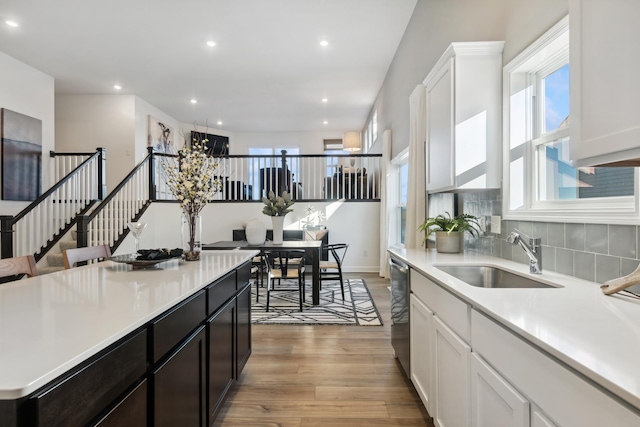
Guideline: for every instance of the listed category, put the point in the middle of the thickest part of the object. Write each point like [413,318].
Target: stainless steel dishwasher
[400,289]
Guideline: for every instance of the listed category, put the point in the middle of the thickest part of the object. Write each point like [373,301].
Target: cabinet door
[179,385]
[440,170]
[538,419]
[421,319]
[130,411]
[605,95]
[221,356]
[451,363]
[494,402]
[243,328]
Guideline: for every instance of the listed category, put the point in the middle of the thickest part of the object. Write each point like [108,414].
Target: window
[539,178]
[265,162]
[374,126]
[331,150]
[397,198]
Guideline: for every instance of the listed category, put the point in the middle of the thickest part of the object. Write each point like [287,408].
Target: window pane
[556,99]
[558,180]
[403,223]
[404,182]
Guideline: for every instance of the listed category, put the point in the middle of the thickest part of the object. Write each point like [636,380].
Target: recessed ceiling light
[325,100]
[324,43]
[117,87]
[325,122]
[194,101]
[219,123]
[211,43]
[12,23]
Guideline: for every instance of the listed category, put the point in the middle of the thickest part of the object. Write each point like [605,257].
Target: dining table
[314,246]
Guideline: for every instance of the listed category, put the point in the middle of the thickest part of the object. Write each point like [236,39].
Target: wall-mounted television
[216,145]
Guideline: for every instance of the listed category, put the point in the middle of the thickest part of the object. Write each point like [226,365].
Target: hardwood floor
[325,375]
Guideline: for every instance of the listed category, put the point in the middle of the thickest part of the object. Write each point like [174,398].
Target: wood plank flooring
[325,375]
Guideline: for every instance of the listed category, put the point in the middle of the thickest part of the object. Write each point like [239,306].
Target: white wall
[141,133]
[352,223]
[307,142]
[27,91]
[85,122]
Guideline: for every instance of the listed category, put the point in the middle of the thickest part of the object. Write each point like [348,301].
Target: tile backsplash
[594,252]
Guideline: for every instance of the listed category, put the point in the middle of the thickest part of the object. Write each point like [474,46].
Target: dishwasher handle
[401,267]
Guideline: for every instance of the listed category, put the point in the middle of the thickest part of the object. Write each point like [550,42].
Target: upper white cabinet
[463,124]
[605,94]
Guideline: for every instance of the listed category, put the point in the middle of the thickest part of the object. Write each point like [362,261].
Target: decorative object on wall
[21,156]
[216,145]
[161,137]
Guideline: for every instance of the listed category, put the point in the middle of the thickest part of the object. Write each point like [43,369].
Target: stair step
[68,244]
[49,269]
[74,234]
[55,260]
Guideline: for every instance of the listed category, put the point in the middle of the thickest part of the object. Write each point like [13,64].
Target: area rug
[357,308]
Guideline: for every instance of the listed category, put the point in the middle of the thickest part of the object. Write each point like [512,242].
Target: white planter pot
[449,243]
[278,224]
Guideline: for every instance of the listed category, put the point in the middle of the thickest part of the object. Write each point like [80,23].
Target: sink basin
[490,277]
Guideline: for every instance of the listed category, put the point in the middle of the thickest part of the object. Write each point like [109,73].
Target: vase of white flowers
[277,207]
[192,179]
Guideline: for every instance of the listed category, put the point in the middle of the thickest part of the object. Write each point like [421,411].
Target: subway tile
[564,261]
[628,266]
[584,266]
[622,241]
[506,250]
[607,268]
[597,238]
[574,236]
[539,229]
[548,258]
[555,234]
[526,227]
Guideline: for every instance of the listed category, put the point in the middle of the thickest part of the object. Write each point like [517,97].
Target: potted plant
[449,230]
[277,207]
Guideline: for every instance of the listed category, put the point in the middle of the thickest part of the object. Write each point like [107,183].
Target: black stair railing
[39,226]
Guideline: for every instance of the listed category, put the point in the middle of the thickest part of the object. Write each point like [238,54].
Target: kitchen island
[562,355]
[105,344]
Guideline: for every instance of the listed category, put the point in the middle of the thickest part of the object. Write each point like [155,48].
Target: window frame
[623,209]
[394,202]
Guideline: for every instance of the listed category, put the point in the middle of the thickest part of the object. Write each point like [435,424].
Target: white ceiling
[268,72]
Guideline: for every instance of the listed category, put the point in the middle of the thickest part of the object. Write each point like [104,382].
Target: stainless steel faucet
[533,249]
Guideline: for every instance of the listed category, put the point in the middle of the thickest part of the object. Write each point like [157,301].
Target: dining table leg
[315,264]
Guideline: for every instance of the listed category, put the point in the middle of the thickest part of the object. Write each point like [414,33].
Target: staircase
[54,260]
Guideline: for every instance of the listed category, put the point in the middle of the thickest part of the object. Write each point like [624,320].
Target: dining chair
[76,255]
[17,266]
[257,269]
[332,268]
[279,267]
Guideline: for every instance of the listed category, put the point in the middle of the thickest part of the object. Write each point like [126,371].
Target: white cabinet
[605,94]
[421,351]
[494,402]
[451,367]
[463,123]
[538,419]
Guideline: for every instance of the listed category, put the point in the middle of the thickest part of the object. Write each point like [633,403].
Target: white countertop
[53,322]
[595,334]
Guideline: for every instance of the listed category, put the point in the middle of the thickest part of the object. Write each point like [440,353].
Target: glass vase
[192,237]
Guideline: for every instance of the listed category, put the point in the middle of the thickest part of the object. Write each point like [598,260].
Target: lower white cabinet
[494,402]
[538,419]
[452,381]
[422,351]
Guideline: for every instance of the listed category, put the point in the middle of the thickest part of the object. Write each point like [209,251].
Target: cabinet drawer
[174,326]
[449,308]
[568,398]
[81,397]
[244,275]
[220,291]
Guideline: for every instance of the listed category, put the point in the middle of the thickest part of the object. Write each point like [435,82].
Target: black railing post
[102,172]
[152,174]
[83,230]
[284,184]
[6,236]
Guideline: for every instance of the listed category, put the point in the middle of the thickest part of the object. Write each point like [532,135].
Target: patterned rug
[357,308]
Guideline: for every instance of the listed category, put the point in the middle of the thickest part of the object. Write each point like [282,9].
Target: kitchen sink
[490,277]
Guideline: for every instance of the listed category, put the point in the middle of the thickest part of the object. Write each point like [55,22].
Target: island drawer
[220,291]
[175,325]
[244,275]
[81,397]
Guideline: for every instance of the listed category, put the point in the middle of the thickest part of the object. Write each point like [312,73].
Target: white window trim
[624,210]
[394,204]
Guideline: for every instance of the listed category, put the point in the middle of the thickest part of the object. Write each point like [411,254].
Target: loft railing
[107,223]
[37,228]
[306,177]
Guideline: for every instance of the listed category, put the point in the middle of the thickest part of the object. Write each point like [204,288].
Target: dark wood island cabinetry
[174,370]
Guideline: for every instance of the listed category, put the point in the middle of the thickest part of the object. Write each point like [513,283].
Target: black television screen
[216,145]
